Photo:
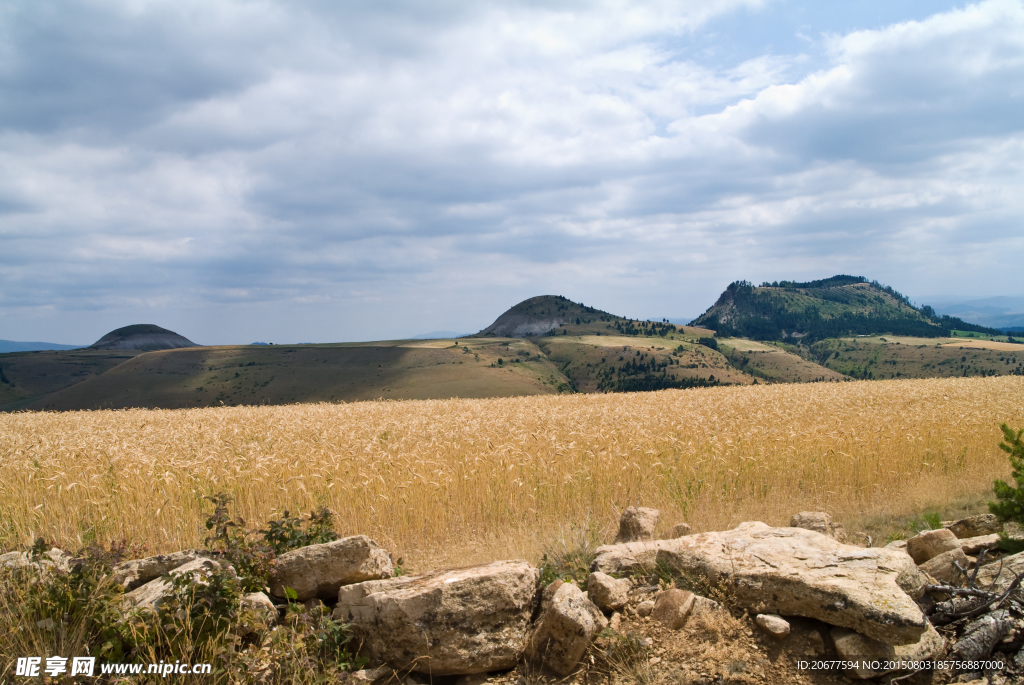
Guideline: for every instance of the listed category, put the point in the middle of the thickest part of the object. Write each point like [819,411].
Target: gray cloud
[363,170]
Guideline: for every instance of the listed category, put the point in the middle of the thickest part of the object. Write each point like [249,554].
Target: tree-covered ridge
[828,308]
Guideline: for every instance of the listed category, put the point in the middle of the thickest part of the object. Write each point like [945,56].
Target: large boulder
[930,544]
[793,572]
[819,522]
[636,524]
[155,592]
[319,570]
[853,646]
[137,572]
[565,630]
[629,558]
[449,622]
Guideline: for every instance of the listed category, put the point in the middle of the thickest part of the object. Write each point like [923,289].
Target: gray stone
[262,613]
[999,574]
[930,544]
[773,624]
[319,570]
[672,607]
[54,558]
[942,567]
[703,605]
[449,622]
[819,522]
[374,676]
[975,526]
[151,595]
[852,645]
[608,593]
[137,572]
[793,572]
[565,631]
[679,530]
[645,608]
[637,524]
[976,544]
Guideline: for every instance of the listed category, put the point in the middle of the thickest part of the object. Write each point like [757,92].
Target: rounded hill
[540,315]
[141,336]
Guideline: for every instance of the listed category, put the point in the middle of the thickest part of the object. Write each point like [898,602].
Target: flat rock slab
[793,572]
[138,572]
[450,622]
[319,570]
[155,592]
[999,574]
[974,545]
[974,526]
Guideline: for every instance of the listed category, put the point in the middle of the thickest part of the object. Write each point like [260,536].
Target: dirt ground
[715,649]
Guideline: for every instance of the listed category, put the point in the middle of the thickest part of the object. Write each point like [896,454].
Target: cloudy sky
[314,171]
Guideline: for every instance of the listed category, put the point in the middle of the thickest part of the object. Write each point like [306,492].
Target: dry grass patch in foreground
[456,481]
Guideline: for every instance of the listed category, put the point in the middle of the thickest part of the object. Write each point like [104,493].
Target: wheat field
[443,482]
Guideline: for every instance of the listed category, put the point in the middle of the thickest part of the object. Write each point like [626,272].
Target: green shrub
[47,609]
[252,558]
[291,532]
[1010,506]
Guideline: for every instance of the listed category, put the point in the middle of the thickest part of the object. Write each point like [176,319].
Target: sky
[315,171]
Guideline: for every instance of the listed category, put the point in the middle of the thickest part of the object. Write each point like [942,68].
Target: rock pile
[872,602]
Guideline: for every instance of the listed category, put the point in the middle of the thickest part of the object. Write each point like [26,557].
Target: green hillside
[829,308]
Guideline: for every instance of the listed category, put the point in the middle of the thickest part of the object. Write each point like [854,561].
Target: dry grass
[457,481]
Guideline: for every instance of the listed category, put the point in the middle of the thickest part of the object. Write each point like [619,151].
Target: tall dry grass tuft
[455,481]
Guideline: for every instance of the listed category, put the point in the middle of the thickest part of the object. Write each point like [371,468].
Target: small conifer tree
[1010,506]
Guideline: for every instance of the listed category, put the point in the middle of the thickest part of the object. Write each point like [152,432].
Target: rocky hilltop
[539,316]
[833,307]
[142,336]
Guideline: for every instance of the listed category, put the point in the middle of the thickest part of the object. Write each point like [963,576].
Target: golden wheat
[452,481]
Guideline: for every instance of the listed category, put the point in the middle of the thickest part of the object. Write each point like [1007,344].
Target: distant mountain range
[834,329]
[436,335]
[15,346]
[996,312]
